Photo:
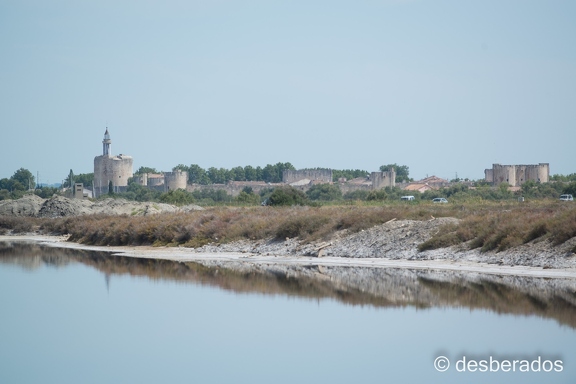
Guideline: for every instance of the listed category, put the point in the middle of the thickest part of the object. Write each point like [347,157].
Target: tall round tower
[111,171]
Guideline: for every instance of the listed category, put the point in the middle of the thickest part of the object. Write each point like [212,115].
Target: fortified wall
[516,175]
[313,175]
[383,179]
[163,182]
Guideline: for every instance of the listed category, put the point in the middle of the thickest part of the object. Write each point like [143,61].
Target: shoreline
[181,254]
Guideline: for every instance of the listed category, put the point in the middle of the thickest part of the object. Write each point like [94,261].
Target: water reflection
[380,287]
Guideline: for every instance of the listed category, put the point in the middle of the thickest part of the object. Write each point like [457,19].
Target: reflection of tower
[106,143]
[107,278]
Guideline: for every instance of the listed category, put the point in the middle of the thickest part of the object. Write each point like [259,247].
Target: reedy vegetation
[489,226]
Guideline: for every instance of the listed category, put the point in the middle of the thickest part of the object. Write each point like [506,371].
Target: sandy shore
[185,254]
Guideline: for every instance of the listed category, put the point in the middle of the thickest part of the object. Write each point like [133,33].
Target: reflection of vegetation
[356,286]
[501,298]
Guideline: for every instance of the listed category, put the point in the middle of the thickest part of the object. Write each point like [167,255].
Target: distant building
[111,169]
[516,175]
[166,181]
[383,179]
[432,182]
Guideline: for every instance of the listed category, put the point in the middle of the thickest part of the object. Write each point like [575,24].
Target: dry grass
[499,230]
[225,224]
[488,226]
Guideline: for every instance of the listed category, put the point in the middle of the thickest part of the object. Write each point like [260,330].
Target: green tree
[564,178]
[25,178]
[237,174]
[324,192]
[218,175]
[139,192]
[287,195]
[46,192]
[250,173]
[85,178]
[273,173]
[4,194]
[197,175]
[570,188]
[6,184]
[247,198]
[377,195]
[177,197]
[209,196]
[180,167]
[349,174]
[356,195]
[143,170]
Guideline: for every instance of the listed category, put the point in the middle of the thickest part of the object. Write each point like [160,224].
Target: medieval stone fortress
[516,175]
[112,173]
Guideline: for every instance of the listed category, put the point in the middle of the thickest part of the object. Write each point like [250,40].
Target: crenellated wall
[322,175]
[516,175]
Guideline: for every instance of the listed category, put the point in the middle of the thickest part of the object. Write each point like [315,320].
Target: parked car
[407,198]
[439,200]
[566,198]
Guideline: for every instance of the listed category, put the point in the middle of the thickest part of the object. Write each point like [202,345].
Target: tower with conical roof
[106,143]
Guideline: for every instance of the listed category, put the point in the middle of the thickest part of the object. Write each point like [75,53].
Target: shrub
[301,226]
[324,192]
[287,196]
[177,197]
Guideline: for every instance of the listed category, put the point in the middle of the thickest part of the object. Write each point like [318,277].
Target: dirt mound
[133,208]
[394,240]
[59,206]
[28,205]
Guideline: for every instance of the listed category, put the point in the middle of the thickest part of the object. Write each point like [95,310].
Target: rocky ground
[398,240]
[58,206]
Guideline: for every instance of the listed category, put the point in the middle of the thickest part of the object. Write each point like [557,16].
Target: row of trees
[20,183]
[271,173]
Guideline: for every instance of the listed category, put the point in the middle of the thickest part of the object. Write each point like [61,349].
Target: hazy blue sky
[441,86]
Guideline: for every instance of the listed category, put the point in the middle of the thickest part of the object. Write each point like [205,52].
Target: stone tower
[106,143]
[108,169]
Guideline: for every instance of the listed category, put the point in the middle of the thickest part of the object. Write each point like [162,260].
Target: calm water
[82,317]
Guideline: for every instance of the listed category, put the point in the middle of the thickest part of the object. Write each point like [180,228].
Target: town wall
[292,176]
[235,187]
[516,175]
